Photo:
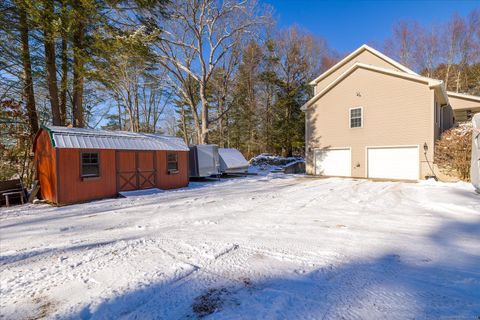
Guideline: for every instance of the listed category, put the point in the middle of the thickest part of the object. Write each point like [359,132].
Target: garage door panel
[333,162]
[393,163]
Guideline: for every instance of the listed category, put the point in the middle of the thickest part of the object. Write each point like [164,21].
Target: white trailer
[475,167]
[232,161]
[204,161]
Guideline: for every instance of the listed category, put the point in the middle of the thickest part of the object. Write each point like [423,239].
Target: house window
[172,162]
[356,118]
[89,164]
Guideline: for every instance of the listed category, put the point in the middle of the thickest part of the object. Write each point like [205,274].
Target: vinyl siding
[462,106]
[459,103]
[396,111]
[443,118]
[364,57]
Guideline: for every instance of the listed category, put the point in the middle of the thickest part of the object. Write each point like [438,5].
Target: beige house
[372,117]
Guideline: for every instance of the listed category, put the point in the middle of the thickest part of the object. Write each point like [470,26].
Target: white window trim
[350,117]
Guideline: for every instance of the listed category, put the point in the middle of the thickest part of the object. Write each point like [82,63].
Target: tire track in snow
[169,247]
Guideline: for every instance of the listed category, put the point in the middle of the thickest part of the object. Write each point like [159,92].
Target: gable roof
[413,77]
[463,96]
[356,53]
[64,137]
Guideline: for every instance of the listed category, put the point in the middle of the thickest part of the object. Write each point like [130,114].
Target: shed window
[172,162]
[89,164]
[356,118]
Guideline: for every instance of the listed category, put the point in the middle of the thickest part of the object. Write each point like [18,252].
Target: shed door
[393,163]
[126,171]
[146,169]
[333,162]
[135,170]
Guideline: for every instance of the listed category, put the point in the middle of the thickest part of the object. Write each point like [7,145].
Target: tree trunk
[129,107]
[64,58]
[51,67]
[136,110]
[78,80]
[447,73]
[288,123]
[458,81]
[268,106]
[204,131]
[196,120]
[119,115]
[183,123]
[221,124]
[228,131]
[27,70]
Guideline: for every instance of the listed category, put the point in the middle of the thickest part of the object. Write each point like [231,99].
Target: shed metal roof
[64,137]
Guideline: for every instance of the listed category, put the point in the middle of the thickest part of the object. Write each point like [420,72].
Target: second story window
[356,120]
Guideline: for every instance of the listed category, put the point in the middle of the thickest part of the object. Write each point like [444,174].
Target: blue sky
[348,24]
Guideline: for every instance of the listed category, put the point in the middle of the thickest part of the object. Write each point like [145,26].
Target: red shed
[77,165]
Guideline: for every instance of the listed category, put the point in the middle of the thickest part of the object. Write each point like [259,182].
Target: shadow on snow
[389,286]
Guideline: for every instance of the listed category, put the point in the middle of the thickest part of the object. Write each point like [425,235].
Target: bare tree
[203,32]
[220,90]
[468,48]
[453,37]
[139,88]
[427,50]
[185,85]
[403,42]
[123,79]
[155,98]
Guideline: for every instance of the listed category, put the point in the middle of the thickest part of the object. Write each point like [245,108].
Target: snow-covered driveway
[276,247]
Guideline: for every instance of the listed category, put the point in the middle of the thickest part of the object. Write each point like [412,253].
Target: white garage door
[393,163]
[333,162]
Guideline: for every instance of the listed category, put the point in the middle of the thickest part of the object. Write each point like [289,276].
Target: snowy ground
[275,247]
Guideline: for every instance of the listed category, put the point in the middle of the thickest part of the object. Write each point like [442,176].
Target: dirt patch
[209,302]
[214,299]
[247,282]
[45,308]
